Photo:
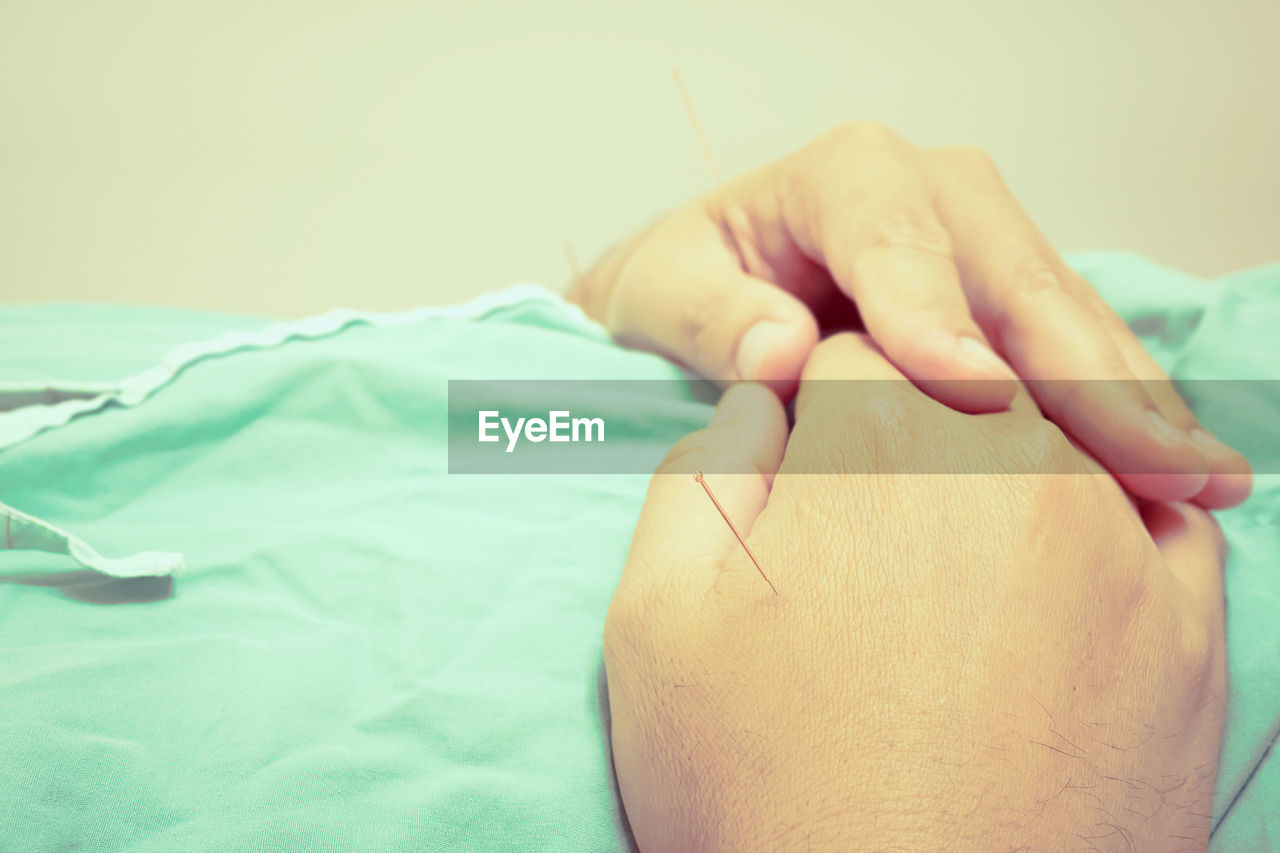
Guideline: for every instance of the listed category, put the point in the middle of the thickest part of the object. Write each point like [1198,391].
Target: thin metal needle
[697,128]
[702,481]
[572,257]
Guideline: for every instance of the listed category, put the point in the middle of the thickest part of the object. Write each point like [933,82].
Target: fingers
[681,541]
[1032,307]
[885,248]
[1230,475]
[1230,478]
[1193,548]
[687,297]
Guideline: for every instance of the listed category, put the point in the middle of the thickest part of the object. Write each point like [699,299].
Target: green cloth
[364,652]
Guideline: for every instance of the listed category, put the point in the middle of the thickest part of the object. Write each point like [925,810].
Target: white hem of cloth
[36,534]
[76,398]
[19,424]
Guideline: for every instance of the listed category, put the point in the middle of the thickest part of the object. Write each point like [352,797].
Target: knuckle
[1213,530]
[880,426]
[887,408]
[1035,275]
[1188,649]
[1056,481]
[903,227]
[1196,650]
[1026,282]
[1204,659]
[860,427]
[1060,495]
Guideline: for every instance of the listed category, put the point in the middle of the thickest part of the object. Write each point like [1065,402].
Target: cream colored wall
[289,157]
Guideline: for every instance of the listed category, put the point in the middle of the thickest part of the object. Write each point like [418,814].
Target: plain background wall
[288,157]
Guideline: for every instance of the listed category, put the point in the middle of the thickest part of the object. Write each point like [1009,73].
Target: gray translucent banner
[844,426]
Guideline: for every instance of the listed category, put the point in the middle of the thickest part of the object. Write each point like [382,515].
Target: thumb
[681,541]
[685,296]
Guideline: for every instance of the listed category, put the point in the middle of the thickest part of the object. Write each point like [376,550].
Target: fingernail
[756,346]
[1164,430]
[980,358]
[1205,440]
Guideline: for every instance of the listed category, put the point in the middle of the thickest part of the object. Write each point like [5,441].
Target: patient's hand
[952,661]
[940,260]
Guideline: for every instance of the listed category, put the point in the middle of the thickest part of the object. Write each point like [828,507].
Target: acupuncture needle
[574,270]
[702,481]
[697,126]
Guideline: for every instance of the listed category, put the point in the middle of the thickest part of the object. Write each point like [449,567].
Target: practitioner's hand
[942,263]
[965,662]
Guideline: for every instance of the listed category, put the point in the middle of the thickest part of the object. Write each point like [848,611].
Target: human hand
[959,661]
[939,259]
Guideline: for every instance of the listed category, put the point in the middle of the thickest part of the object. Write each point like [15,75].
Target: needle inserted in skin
[698,478]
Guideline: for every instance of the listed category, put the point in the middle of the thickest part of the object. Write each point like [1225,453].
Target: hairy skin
[978,661]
